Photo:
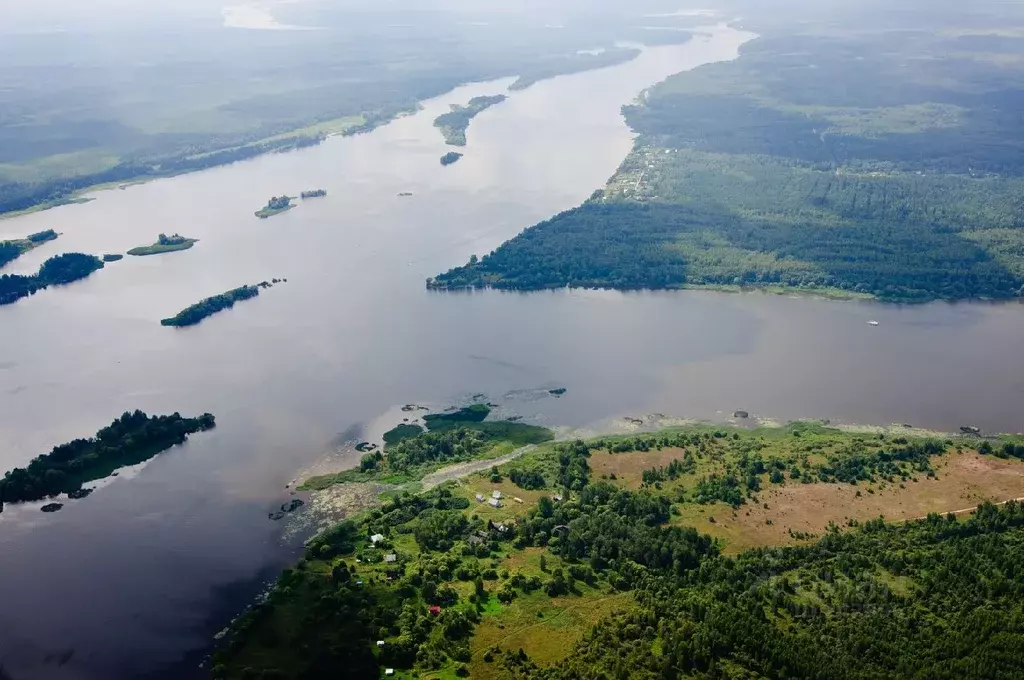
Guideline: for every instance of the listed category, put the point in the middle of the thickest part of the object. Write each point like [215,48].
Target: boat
[872,323]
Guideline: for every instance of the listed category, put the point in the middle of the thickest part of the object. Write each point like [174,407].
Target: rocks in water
[78,494]
[413,407]
[364,447]
[740,414]
[558,391]
[970,429]
[291,506]
[52,507]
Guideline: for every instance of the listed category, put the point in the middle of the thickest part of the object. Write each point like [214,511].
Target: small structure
[391,558]
[496,495]
[517,499]
[380,643]
[480,498]
[376,538]
[557,498]
[389,671]
[494,503]
[434,610]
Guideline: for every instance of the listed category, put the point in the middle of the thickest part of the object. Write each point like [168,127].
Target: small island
[453,125]
[315,193]
[12,250]
[450,157]
[112,257]
[164,244]
[131,439]
[275,206]
[56,271]
[193,314]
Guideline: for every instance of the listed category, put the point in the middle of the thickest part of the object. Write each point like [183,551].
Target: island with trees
[165,244]
[315,193]
[113,257]
[450,157]
[662,554]
[275,206]
[453,125]
[12,250]
[58,270]
[193,314]
[764,173]
[131,439]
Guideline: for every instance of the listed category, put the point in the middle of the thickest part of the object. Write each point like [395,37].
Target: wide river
[129,580]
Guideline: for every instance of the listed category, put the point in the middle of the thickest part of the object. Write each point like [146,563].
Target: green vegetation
[131,439]
[193,314]
[315,193]
[581,61]
[453,125]
[400,432]
[450,157]
[474,413]
[12,250]
[838,162]
[165,244]
[112,257]
[602,581]
[275,206]
[58,270]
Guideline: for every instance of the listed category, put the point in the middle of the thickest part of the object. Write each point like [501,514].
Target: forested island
[315,193]
[849,178]
[165,244]
[57,270]
[12,250]
[453,125]
[193,314]
[275,206]
[696,552]
[450,157]
[130,439]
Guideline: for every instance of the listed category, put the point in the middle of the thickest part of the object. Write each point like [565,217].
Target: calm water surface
[125,582]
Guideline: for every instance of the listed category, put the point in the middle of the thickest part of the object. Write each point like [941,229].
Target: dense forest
[439,584]
[193,314]
[58,270]
[810,162]
[453,125]
[130,439]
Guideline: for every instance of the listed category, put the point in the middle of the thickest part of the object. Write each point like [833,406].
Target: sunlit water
[146,569]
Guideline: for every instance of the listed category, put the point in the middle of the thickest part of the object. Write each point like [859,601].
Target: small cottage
[494,503]
[479,498]
[376,538]
[496,494]
[391,558]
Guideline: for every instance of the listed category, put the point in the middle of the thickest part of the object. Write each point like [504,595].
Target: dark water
[128,580]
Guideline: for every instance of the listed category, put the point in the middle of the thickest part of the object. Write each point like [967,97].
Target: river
[126,582]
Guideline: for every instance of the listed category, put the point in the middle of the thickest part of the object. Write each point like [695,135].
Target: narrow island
[131,439]
[56,271]
[450,157]
[315,193]
[113,257]
[275,206]
[12,250]
[453,125]
[193,314]
[164,244]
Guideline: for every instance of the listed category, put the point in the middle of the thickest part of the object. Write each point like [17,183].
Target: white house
[389,671]
[380,643]
[376,538]
[391,558]
[494,503]
[496,494]
[480,498]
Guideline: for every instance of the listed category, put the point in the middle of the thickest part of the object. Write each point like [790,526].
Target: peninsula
[693,548]
[453,125]
[56,271]
[193,314]
[130,439]
[12,250]
[164,244]
[450,157]
[275,206]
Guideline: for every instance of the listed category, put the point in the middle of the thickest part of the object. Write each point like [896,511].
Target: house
[376,538]
[389,671]
[496,495]
[558,498]
[494,503]
[391,558]
[479,498]
[434,610]
[380,643]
